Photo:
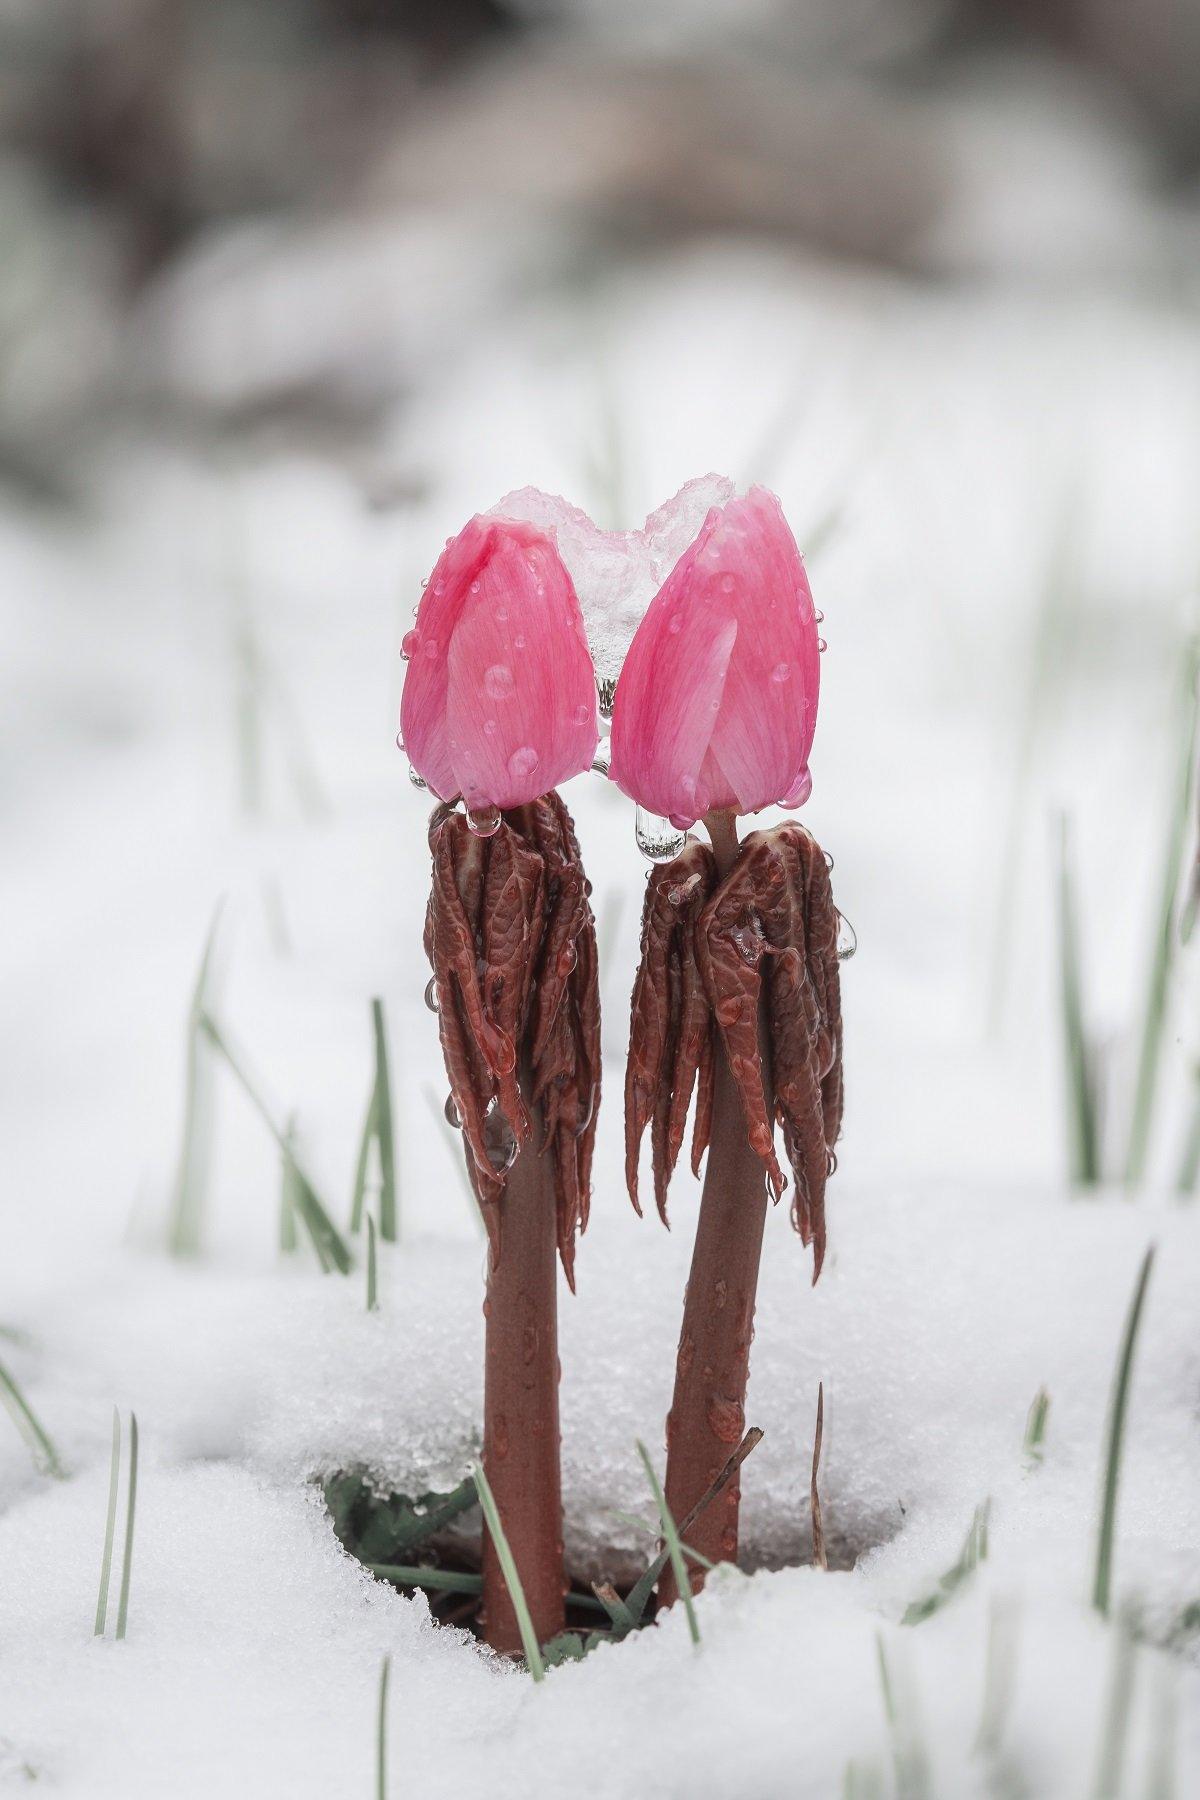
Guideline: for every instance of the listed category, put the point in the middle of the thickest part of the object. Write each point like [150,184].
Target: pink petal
[499,698]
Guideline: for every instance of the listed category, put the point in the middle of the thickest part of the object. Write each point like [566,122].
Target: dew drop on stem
[431,994]
[452,1114]
[847,939]
[657,839]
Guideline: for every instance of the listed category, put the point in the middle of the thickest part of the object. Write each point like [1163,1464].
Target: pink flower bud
[500,698]
[717,701]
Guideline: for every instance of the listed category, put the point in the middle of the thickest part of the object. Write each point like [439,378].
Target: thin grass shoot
[110,1526]
[674,1544]
[1118,1410]
[130,1520]
[512,1579]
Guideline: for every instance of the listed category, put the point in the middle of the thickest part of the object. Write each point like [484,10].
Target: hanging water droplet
[819,616]
[399,740]
[431,993]
[453,1117]
[822,646]
[606,688]
[603,757]
[657,839]
[484,821]
[828,861]
[847,939]
[418,781]
[499,1140]
[523,762]
[498,683]
[409,645]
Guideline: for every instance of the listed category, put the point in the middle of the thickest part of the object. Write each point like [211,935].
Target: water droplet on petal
[847,939]
[819,617]
[409,644]
[781,672]
[418,781]
[451,1111]
[727,584]
[502,613]
[519,642]
[603,757]
[431,648]
[498,683]
[523,762]
[799,791]
[439,587]
[582,713]
[431,994]
[675,622]
[657,839]
[489,728]
[484,821]
[399,740]
[474,587]
[822,646]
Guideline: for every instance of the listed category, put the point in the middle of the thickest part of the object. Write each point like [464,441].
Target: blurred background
[289,290]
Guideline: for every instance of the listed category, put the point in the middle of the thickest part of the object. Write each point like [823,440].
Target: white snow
[953,432]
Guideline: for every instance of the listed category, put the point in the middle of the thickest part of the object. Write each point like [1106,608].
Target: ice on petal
[617,573]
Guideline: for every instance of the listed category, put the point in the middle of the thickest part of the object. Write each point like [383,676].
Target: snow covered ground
[199,702]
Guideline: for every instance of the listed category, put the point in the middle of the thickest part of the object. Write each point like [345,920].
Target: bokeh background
[289,290]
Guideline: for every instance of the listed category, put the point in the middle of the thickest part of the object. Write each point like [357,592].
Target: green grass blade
[1035,1426]
[372,1276]
[30,1426]
[389,1223]
[130,1518]
[512,1580]
[361,1166]
[381,1734]
[1083,1135]
[1114,1733]
[1102,1586]
[110,1526]
[1164,1735]
[190,1190]
[999,1679]
[638,1597]
[909,1756]
[439,1581]
[1189,1162]
[288,1240]
[1162,952]
[327,1240]
[674,1547]
[973,1552]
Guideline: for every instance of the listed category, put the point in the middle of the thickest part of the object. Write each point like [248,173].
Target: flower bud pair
[716,703]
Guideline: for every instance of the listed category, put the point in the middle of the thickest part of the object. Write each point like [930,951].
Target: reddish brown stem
[520,1400]
[707,1416]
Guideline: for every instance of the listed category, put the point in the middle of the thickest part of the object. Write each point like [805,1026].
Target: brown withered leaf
[716,956]
[511,940]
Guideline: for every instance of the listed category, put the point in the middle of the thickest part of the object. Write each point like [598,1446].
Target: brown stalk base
[737,995]
[510,937]
[708,1411]
[520,1405]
